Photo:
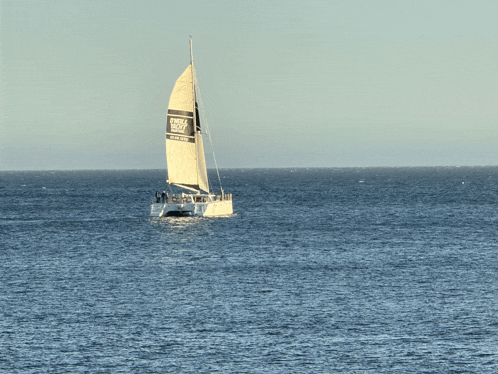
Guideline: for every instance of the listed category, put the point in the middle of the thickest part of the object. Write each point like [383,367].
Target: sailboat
[186,163]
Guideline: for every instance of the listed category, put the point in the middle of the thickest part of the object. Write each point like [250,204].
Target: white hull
[192,205]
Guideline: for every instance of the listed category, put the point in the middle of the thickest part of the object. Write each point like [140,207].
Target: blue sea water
[375,270]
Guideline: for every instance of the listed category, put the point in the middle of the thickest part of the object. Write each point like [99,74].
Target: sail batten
[184,149]
[191,188]
[183,113]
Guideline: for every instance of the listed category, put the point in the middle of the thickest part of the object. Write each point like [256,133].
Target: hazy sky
[86,84]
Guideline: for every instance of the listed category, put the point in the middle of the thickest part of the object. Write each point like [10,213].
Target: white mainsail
[184,148]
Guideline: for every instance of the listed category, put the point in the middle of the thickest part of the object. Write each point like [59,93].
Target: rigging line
[201,104]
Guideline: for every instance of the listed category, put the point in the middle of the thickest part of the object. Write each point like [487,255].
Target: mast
[194,100]
[193,86]
[191,55]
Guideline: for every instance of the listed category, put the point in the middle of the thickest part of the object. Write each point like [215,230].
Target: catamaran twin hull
[192,205]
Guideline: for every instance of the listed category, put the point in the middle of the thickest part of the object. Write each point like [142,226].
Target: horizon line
[268,167]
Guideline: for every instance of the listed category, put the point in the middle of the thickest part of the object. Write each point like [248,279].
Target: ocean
[340,270]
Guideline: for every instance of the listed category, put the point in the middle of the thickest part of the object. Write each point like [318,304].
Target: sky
[315,83]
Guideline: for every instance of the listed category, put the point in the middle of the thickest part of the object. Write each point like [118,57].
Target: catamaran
[185,157]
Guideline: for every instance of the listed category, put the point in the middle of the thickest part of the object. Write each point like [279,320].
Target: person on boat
[157,197]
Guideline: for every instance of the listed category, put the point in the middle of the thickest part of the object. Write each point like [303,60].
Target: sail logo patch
[180,125]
